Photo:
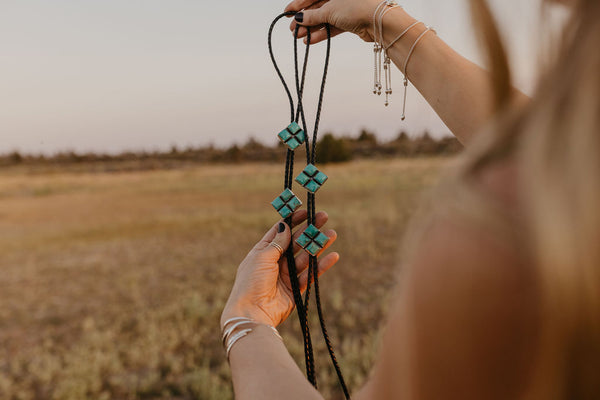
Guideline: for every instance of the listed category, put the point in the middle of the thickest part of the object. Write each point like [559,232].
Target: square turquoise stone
[293,136]
[321,239]
[311,231]
[293,143]
[320,178]
[303,241]
[312,186]
[311,178]
[286,203]
[278,203]
[313,248]
[310,170]
[294,128]
[303,179]
[312,240]
[285,135]
[286,195]
[285,211]
[294,203]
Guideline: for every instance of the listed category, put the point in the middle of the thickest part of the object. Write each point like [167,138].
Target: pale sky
[113,75]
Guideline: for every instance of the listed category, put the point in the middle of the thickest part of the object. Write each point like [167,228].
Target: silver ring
[277,246]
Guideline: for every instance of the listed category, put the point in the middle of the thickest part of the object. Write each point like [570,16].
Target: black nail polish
[281,227]
[299,17]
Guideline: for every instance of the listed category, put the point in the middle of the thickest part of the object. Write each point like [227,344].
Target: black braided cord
[302,304]
[291,262]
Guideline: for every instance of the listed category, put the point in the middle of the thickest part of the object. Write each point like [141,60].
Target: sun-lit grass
[111,285]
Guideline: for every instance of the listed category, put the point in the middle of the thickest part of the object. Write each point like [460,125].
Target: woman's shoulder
[473,306]
[468,296]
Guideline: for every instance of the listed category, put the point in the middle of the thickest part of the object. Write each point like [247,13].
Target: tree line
[330,148]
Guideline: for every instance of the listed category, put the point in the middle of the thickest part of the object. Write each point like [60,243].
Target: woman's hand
[355,16]
[262,289]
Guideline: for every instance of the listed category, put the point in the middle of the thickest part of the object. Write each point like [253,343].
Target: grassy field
[111,285]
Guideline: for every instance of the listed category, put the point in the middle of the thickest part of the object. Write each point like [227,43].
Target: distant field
[111,285]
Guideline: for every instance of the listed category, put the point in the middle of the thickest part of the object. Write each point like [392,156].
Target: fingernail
[299,17]
[281,227]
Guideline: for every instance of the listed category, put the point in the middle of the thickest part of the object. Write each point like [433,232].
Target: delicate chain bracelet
[236,328]
[380,51]
[410,52]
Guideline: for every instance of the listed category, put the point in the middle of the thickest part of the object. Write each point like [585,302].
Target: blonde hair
[554,143]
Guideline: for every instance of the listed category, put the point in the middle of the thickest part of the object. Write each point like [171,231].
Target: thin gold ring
[277,246]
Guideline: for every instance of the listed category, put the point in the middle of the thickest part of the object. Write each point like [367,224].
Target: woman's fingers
[324,264]
[298,5]
[313,6]
[316,16]
[275,249]
[297,218]
[317,36]
[318,33]
[303,31]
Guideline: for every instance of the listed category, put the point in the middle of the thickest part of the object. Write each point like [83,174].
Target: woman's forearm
[262,368]
[458,90]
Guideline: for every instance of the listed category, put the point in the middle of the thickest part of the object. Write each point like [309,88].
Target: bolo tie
[310,179]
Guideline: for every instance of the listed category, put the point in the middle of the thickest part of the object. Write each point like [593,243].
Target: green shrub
[331,149]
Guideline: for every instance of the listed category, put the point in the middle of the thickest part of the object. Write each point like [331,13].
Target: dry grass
[111,285]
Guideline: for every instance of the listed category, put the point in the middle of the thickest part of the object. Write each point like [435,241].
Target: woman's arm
[458,90]
[463,325]
[261,366]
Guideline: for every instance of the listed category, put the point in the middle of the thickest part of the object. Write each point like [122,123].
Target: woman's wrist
[236,328]
[246,311]
[261,333]
[394,23]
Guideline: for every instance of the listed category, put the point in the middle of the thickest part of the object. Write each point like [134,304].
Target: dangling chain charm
[376,80]
[380,52]
[410,52]
[403,117]
[381,59]
[387,67]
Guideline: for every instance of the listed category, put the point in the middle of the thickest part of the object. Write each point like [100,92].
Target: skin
[262,289]
[458,90]
[464,321]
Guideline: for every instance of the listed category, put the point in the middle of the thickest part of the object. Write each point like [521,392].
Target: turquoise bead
[312,240]
[286,203]
[293,136]
[311,178]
